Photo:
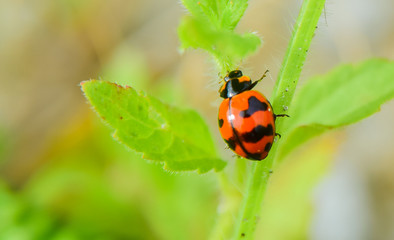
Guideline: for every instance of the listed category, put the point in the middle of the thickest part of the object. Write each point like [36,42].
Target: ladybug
[246,118]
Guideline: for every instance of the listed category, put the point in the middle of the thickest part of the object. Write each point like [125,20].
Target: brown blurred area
[48,47]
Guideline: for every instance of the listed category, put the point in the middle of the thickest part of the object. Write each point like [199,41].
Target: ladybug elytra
[246,118]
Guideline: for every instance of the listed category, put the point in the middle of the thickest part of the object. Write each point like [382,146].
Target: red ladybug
[246,118]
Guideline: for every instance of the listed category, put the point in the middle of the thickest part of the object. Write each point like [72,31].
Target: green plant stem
[282,95]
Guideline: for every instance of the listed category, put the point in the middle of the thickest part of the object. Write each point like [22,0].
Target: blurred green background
[62,176]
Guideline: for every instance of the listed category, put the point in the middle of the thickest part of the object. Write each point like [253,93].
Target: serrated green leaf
[197,34]
[197,9]
[179,138]
[225,45]
[211,28]
[344,96]
[232,13]
[222,14]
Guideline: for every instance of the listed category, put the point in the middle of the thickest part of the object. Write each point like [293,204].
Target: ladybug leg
[237,156]
[264,75]
[257,81]
[280,115]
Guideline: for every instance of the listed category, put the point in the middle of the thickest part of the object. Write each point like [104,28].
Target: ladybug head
[234,83]
[233,74]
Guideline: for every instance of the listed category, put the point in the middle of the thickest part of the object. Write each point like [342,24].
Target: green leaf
[179,138]
[226,46]
[211,28]
[346,95]
[223,14]
[232,12]
[201,11]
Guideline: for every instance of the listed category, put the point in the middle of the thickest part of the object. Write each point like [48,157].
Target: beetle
[246,118]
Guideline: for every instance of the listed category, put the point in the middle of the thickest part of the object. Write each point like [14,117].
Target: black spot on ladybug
[267,147]
[221,123]
[258,133]
[230,143]
[254,156]
[255,105]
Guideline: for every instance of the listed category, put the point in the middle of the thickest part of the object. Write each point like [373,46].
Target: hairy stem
[282,95]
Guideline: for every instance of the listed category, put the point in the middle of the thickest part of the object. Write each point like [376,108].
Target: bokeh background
[62,176]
